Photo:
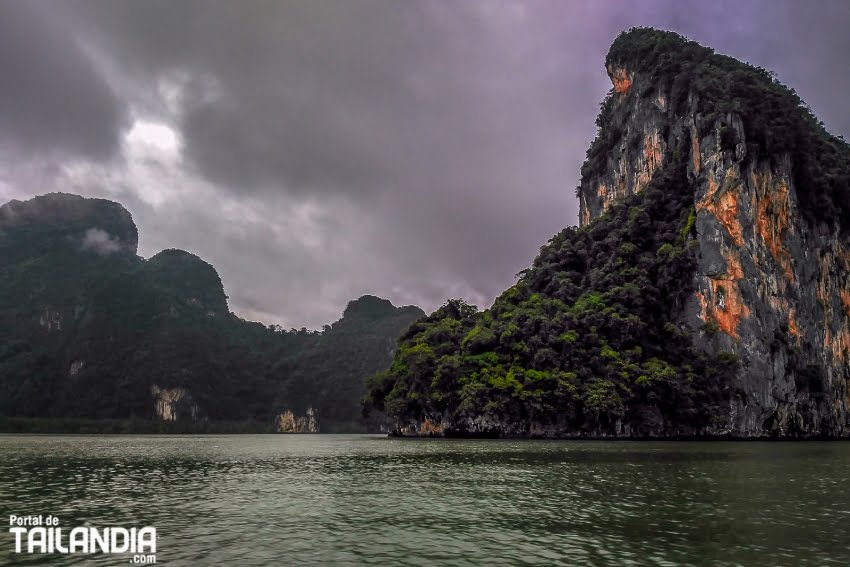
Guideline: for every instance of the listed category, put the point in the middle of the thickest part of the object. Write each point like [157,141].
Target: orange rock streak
[772,220]
[725,208]
[725,306]
[621,80]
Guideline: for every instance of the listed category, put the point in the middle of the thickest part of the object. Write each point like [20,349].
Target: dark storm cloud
[417,114]
[51,95]
[298,96]
[415,149]
[356,96]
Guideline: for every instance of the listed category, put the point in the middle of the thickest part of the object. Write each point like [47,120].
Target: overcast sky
[317,150]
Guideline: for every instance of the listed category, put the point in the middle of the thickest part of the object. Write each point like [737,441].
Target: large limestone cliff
[639,149]
[772,285]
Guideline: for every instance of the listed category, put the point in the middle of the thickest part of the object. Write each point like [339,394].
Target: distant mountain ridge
[88,329]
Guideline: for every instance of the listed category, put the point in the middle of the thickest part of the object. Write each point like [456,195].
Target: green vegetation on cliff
[589,340]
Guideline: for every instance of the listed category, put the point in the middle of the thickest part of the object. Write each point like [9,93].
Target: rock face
[172,404]
[637,155]
[288,422]
[772,284]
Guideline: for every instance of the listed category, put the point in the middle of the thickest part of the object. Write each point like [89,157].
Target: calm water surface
[352,500]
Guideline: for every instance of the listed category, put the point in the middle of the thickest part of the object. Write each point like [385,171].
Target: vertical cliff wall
[772,282]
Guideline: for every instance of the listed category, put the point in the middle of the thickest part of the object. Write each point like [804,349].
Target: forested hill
[706,291]
[88,329]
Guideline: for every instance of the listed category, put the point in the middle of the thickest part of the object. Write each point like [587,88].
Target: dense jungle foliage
[589,337]
[86,334]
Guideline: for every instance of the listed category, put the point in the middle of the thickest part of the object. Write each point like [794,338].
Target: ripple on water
[322,500]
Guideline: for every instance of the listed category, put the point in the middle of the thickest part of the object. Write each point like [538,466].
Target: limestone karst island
[706,291]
